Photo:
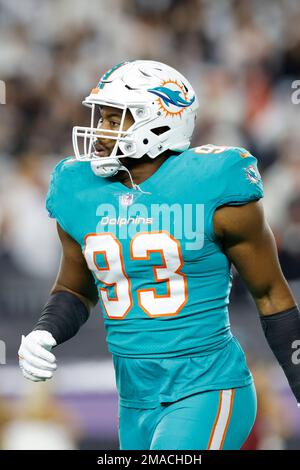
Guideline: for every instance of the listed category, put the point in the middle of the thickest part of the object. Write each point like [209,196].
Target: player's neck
[141,169]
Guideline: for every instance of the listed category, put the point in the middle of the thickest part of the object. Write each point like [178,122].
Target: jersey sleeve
[239,179]
[235,181]
[57,195]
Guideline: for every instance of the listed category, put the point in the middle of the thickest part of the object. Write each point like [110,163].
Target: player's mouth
[101,150]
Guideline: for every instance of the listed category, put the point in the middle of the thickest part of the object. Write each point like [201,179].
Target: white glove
[35,359]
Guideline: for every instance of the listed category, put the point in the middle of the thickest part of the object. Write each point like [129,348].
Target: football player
[150,227]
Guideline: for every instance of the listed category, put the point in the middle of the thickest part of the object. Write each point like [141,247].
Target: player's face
[110,119]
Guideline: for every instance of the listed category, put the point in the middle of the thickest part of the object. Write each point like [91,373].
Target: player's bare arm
[68,308]
[249,244]
[74,275]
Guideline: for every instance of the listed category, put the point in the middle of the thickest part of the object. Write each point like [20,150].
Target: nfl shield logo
[126,199]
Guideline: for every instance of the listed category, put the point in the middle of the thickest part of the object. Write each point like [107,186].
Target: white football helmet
[163,105]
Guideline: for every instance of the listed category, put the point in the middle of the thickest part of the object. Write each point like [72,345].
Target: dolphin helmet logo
[172,99]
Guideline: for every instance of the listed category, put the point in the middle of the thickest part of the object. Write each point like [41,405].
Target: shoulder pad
[59,188]
[233,173]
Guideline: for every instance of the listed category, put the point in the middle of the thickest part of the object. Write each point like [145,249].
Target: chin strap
[134,185]
[113,169]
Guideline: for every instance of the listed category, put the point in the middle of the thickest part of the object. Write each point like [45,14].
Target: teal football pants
[218,419]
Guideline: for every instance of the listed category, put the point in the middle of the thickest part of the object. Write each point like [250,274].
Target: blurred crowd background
[242,58]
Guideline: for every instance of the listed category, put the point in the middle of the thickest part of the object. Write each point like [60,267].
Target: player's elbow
[274,297]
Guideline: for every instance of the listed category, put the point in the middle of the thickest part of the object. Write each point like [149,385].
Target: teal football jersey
[162,277]
[163,280]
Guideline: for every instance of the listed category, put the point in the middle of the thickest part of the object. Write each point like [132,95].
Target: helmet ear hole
[145,141]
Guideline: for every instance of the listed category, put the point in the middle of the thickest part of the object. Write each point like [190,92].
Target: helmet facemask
[124,144]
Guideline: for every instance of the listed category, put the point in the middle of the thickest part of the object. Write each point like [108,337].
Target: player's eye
[114,123]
